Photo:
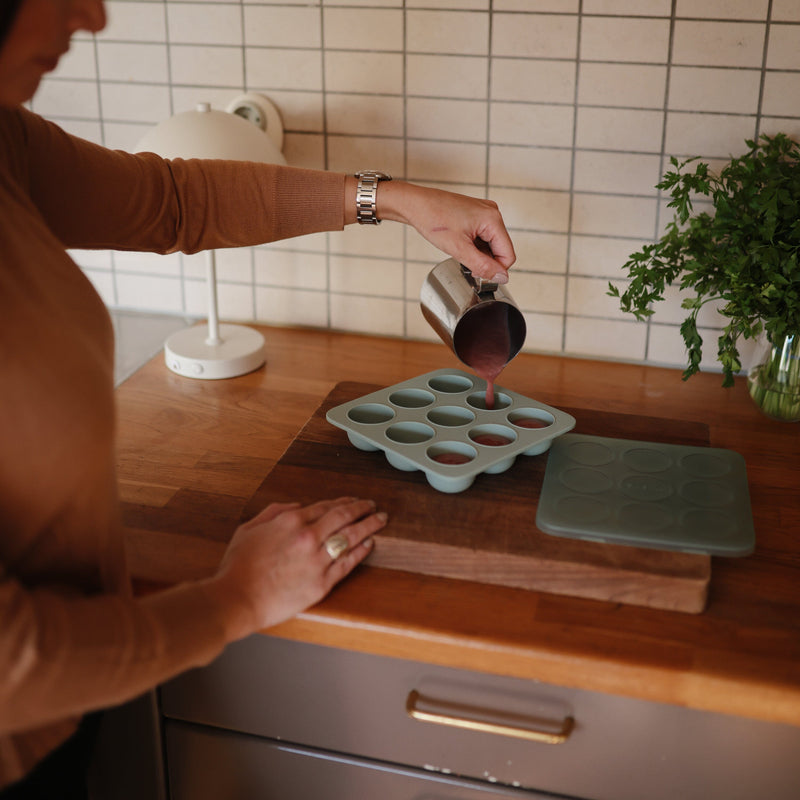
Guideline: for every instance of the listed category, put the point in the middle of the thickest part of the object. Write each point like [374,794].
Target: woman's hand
[455,223]
[276,565]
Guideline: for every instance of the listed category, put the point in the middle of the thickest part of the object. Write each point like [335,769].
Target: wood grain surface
[488,533]
[193,454]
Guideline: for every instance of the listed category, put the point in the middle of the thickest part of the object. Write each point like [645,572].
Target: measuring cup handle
[480,285]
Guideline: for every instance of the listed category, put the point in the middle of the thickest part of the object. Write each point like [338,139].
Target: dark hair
[8,10]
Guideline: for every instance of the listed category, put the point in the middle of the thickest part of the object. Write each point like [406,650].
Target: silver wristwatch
[367,195]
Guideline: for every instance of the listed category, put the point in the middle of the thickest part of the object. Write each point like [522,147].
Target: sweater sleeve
[93,197]
[62,654]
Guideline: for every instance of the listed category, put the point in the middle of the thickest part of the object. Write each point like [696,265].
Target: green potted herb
[743,256]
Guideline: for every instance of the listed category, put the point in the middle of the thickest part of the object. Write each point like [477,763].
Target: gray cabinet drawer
[209,764]
[619,748]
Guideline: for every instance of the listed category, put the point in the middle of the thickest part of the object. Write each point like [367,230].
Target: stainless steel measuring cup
[463,310]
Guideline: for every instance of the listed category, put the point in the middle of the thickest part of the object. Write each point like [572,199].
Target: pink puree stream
[485,348]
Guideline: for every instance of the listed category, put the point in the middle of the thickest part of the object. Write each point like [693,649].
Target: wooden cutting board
[488,532]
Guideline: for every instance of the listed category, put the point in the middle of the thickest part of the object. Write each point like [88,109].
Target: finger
[355,534]
[313,512]
[491,256]
[340,516]
[485,267]
[501,247]
[344,565]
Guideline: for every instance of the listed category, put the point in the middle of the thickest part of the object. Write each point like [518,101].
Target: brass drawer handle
[457,716]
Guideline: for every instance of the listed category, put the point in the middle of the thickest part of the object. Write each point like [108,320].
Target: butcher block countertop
[194,456]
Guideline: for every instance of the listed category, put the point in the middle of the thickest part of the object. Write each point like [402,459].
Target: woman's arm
[62,654]
[93,197]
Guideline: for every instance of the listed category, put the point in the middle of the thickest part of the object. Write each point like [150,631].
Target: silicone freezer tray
[664,496]
[439,423]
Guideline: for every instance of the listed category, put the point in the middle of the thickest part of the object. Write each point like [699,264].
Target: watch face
[373,173]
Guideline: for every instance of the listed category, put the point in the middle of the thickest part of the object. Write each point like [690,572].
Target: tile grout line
[572,192]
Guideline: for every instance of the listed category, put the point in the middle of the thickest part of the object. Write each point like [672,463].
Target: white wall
[563,111]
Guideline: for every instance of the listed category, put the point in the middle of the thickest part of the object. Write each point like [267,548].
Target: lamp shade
[207,133]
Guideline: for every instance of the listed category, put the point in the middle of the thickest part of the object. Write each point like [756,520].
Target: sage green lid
[647,494]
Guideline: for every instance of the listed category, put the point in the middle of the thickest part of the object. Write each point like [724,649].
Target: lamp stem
[213,317]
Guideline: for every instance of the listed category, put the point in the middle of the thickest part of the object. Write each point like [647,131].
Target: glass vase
[774,382]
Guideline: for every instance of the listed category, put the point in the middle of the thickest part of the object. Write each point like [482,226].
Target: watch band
[367,195]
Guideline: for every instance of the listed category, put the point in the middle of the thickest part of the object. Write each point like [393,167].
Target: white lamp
[250,129]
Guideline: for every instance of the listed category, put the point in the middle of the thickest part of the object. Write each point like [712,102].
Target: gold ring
[336,545]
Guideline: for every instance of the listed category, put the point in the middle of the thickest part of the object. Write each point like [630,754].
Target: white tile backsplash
[710,89]
[149,292]
[539,292]
[136,22]
[602,338]
[625,39]
[707,135]
[464,77]
[542,252]
[637,86]
[204,23]
[67,99]
[373,29]
[373,315]
[718,44]
[375,277]
[139,62]
[627,129]
[535,35]
[373,73]
[784,46]
[534,209]
[234,300]
[292,307]
[529,166]
[563,112]
[532,124]
[722,9]
[600,255]
[199,65]
[351,113]
[351,153]
[461,120]
[785,11]
[135,102]
[616,173]
[545,333]
[446,161]
[282,26]
[533,81]
[554,6]
[638,8]
[281,68]
[608,215]
[290,269]
[447,32]
[781,92]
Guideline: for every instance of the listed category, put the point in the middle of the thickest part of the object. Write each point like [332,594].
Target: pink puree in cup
[485,343]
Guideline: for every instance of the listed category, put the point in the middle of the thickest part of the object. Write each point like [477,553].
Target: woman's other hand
[277,565]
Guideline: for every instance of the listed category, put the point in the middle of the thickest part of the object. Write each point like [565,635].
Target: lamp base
[240,351]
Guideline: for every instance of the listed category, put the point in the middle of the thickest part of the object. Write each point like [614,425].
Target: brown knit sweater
[72,636]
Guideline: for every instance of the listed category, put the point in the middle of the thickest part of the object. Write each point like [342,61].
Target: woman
[73,639]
